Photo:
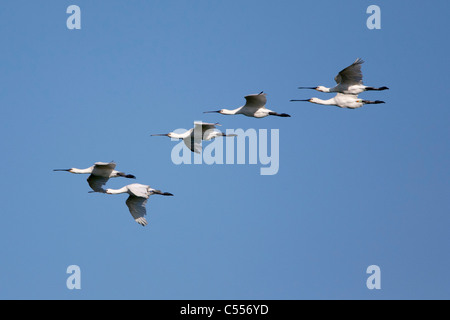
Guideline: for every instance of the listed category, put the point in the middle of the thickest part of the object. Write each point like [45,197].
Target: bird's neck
[118,191]
[231,112]
[81,171]
[182,135]
[328,102]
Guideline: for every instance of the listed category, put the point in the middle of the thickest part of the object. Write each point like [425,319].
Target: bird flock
[349,85]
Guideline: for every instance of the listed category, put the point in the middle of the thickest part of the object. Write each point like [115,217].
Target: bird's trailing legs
[373,102]
[124,175]
[228,135]
[376,89]
[284,115]
[162,193]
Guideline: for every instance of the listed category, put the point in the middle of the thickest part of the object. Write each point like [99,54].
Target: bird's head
[108,191]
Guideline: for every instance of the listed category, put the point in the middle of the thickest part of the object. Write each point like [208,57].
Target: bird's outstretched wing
[96,183]
[103,169]
[202,127]
[136,205]
[139,190]
[256,101]
[205,131]
[195,145]
[352,74]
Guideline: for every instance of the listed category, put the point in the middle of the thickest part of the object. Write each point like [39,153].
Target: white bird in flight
[349,81]
[100,173]
[349,101]
[137,200]
[254,107]
[193,137]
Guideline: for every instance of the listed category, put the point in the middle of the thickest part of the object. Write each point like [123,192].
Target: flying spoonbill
[349,81]
[137,200]
[254,107]
[341,100]
[193,137]
[100,173]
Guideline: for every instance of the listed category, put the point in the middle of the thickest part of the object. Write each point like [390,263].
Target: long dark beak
[301,100]
[160,135]
[218,111]
[313,88]
[61,170]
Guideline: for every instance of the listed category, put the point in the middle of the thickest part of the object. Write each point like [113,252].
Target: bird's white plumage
[202,131]
[193,137]
[195,145]
[139,190]
[103,169]
[99,174]
[348,101]
[137,199]
[349,81]
[255,107]
[205,131]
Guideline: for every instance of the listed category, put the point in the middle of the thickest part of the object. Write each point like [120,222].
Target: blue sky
[355,187]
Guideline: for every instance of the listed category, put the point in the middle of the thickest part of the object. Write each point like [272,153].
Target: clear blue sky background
[355,187]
